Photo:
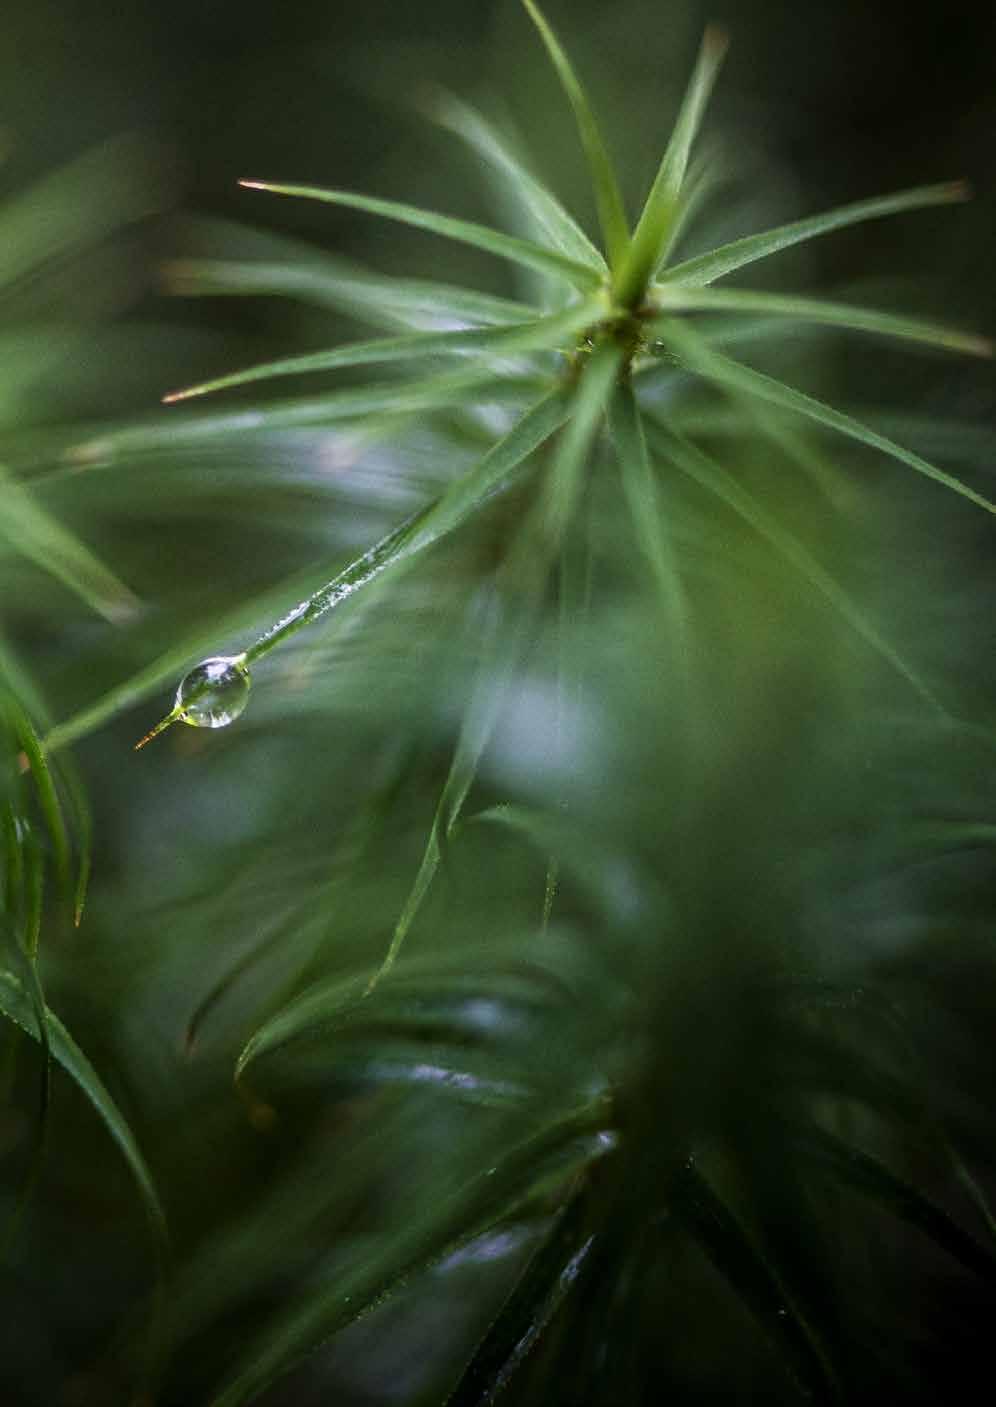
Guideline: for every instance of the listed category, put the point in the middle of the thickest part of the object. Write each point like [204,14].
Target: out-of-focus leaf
[653,533]
[874,1179]
[28,701]
[418,990]
[718,1231]
[491,1197]
[711,476]
[588,404]
[48,798]
[372,298]
[78,205]
[501,647]
[33,1018]
[551,1273]
[33,532]
[17,1006]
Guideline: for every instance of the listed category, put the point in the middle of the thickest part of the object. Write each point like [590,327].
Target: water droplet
[214,693]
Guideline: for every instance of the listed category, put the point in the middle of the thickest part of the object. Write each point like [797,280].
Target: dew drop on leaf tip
[214,693]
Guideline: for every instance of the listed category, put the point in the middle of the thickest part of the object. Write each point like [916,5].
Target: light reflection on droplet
[214,693]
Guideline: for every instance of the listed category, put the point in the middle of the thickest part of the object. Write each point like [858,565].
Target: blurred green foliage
[680,1083]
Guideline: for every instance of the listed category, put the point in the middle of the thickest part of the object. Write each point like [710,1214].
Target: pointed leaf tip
[160,727]
[715,41]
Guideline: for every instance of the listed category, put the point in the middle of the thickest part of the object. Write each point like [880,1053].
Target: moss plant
[610,1024]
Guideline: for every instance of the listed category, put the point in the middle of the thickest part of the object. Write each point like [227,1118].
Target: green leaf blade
[510,247]
[658,218]
[723,370]
[853,318]
[611,212]
[40,537]
[17,1007]
[540,205]
[428,525]
[642,496]
[538,335]
[706,268]
[483,1201]
[416,304]
[870,1176]
[551,1273]
[717,1229]
[705,471]
[588,405]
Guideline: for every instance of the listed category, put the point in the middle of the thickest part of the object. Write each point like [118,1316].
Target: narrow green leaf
[553,333]
[33,532]
[17,1007]
[388,398]
[512,971]
[48,798]
[611,214]
[80,809]
[712,477]
[22,972]
[874,1179]
[428,525]
[510,247]
[695,1204]
[598,377]
[499,660]
[77,206]
[196,643]
[289,934]
[26,690]
[34,893]
[464,1035]
[643,500]
[716,367]
[416,532]
[552,1271]
[541,206]
[373,298]
[595,868]
[705,268]
[680,299]
[21,958]
[657,222]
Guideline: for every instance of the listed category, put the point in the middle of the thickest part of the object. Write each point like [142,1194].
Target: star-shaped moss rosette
[583,358]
